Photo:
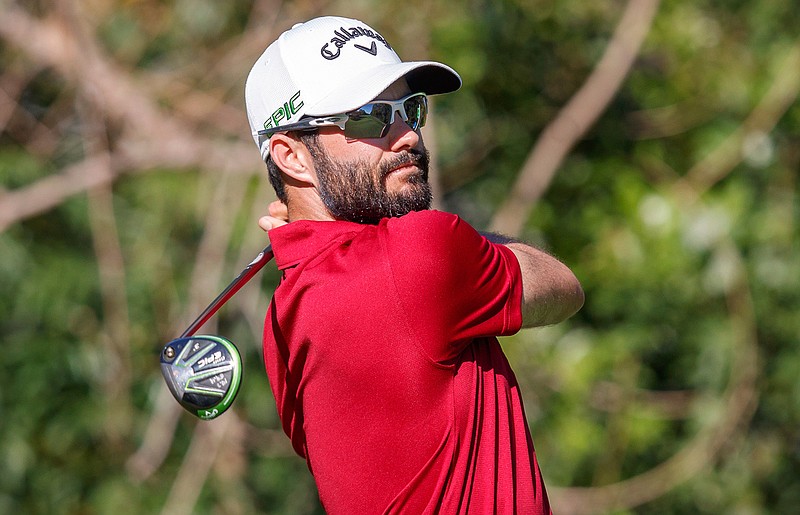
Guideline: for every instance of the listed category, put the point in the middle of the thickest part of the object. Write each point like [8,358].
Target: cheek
[340,148]
[367,153]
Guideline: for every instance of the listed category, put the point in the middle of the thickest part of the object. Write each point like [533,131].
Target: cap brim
[427,77]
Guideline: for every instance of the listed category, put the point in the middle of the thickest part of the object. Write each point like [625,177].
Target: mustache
[414,157]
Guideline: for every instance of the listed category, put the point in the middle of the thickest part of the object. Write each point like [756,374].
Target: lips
[404,162]
[402,167]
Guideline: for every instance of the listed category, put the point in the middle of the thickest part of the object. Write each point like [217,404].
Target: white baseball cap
[331,65]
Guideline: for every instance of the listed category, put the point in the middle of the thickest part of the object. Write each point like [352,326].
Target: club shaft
[250,270]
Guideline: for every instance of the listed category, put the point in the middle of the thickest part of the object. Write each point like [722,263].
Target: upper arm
[453,283]
[550,291]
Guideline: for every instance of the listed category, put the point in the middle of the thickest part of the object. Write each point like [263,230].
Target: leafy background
[654,146]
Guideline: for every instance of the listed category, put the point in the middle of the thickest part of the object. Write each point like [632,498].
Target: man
[379,342]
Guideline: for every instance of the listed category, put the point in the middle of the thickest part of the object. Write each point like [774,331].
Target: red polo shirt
[380,349]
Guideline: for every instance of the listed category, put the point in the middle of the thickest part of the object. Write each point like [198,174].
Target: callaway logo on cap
[331,65]
[344,35]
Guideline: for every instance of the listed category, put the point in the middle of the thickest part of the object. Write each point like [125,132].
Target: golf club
[203,372]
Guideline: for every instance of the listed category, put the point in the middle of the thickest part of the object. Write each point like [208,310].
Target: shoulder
[432,242]
[429,229]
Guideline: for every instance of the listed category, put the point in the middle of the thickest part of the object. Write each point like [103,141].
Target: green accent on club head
[201,369]
[233,390]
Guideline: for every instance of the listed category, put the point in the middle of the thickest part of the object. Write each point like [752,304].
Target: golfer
[380,340]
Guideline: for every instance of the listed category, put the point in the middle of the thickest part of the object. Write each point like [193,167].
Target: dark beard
[356,192]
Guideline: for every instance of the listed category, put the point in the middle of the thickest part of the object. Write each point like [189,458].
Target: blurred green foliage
[688,339]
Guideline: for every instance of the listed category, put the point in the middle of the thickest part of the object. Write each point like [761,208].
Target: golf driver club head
[203,373]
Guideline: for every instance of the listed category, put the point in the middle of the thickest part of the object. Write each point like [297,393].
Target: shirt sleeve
[453,284]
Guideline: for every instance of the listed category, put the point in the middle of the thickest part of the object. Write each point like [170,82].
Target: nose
[401,136]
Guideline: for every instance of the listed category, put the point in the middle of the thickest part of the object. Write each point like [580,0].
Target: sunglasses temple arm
[315,123]
[264,257]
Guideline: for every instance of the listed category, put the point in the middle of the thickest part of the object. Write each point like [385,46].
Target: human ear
[292,157]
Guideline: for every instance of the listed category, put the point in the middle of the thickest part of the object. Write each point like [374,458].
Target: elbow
[563,299]
[569,299]
[576,297]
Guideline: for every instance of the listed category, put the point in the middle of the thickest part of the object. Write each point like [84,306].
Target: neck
[305,204]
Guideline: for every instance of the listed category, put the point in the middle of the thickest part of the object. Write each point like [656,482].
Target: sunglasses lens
[416,109]
[371,120]
[368,121]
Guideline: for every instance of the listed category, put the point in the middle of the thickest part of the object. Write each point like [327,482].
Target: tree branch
[572,122]
[739,402]
[762,120]
[150,138]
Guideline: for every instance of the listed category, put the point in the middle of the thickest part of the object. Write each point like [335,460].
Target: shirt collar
[295,241]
